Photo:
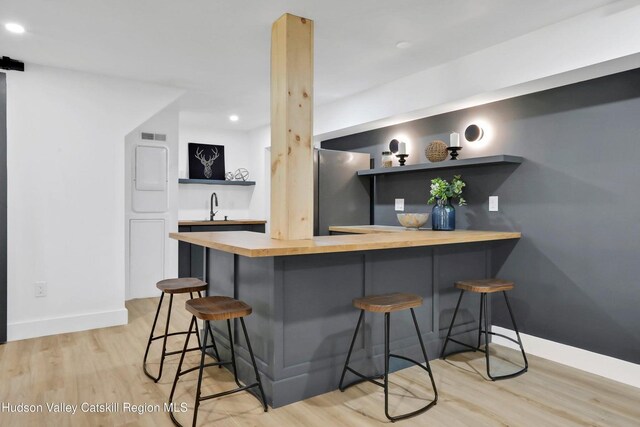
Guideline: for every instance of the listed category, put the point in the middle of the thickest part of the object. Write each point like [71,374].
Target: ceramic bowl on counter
[413,220]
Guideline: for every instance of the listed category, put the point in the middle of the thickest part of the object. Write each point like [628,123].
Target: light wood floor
[103,366]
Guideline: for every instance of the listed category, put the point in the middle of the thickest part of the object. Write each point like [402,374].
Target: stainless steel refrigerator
[341,196]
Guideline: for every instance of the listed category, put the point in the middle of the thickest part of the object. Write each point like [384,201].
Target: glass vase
[443,216]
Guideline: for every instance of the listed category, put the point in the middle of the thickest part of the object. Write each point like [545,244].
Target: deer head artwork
[207,163]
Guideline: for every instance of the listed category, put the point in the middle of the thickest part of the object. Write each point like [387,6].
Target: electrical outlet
[400,205]
[40,289]
[493,203]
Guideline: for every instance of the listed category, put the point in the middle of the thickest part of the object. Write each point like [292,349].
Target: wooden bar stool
[386,304]
[173,286]
[208,309]
[484,288]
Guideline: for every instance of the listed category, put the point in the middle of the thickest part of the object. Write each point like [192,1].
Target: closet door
[148,218]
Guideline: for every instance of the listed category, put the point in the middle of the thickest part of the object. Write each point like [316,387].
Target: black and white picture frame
[206,161]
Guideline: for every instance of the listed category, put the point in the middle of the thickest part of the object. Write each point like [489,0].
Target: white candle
[402,148]
[454,139]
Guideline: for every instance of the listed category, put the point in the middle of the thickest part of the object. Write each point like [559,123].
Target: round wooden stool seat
[388,302]
[218,308]
[485,286]
[181,286]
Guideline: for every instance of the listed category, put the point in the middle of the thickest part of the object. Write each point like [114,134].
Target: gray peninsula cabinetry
[301,292]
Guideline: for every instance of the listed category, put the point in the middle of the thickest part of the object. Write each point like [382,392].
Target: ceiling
[219,50]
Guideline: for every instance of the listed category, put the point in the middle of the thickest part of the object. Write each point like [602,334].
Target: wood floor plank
[104,366]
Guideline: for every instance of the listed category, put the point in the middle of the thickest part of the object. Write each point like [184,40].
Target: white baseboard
[60,325]
[599,364]
[151,293]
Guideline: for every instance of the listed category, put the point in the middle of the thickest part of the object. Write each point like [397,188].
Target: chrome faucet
[214,196]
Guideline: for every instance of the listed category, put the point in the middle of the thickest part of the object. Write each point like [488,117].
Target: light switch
[493,203]
[400,205]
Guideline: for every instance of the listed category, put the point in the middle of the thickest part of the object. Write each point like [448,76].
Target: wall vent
[153,136]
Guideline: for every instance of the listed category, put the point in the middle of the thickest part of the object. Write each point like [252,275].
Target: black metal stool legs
[483,305]
[426,358]
[255,367]
[387,321]
[233,355]
[167,334]
[483,329]
[152,338]
[515,328]
[146,353]
[427,368]
[196,405]
[193,328]
[518,341]
[346,363]
[200,368]
[207,326]
[482,310]
[387,356]
[178,372]
[453,320]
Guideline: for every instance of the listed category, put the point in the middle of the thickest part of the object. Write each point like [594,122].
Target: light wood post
[292,128]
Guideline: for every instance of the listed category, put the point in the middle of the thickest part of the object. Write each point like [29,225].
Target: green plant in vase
[442,192]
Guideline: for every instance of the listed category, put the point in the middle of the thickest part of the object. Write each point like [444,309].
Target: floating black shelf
[214,182]
[501,159]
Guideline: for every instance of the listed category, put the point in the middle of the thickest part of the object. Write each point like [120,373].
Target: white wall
[234,201]
[66,196]
[259,140]
[596,43]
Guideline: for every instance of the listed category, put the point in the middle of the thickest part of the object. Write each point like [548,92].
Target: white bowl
[413,220]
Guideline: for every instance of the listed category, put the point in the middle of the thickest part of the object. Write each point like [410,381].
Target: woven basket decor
[436,151]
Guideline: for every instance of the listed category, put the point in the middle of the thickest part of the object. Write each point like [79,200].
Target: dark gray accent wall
[575,198]
[3,208]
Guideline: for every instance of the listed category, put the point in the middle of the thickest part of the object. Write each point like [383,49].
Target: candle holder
[454,152]
[402,158]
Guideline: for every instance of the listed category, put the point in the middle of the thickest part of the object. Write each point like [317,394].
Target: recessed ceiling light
[403,45]
[14,28]
[234,118]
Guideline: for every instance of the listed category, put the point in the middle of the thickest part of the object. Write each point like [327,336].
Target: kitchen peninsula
[190,258]
[301,293]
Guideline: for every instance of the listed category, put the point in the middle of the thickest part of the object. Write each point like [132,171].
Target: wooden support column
[292,128]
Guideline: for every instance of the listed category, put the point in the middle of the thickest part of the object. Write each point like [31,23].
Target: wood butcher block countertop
[222,222]
[369,229]
[251,244]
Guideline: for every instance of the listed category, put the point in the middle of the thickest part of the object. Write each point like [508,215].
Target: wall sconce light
[473,133]
[393,146]
[397,146]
